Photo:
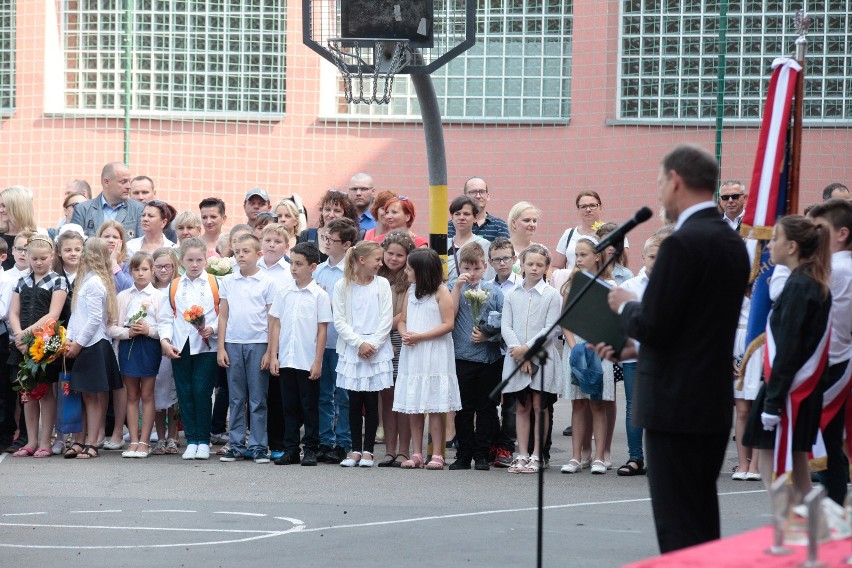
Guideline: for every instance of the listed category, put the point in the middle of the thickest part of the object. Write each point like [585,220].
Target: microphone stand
[538,352]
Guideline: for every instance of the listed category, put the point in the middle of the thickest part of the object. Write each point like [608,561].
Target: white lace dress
[356,373]
[427,380]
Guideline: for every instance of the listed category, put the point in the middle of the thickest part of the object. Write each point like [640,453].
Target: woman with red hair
[399,214]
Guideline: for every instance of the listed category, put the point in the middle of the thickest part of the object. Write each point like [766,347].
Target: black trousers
[221,402]
[275,413]
[476,422]
[682,479]
[300,398]
[368,420]
[8,397]
[836,475]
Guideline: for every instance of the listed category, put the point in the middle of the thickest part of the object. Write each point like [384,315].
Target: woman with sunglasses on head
[399,214]
[335,204]
[155,218]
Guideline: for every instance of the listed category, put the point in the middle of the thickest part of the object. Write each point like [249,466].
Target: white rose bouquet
[477,298]
[220,266]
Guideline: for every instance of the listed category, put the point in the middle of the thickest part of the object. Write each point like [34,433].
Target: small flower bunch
[597,225]
[220,266]
[477,298]
[139,315]
[195,317]
[44,346]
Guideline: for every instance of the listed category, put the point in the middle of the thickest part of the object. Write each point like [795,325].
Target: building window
[187,56]
[7,56]
[519,69]
[670,58]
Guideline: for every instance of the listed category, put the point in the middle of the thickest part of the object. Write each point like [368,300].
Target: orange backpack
[214,285]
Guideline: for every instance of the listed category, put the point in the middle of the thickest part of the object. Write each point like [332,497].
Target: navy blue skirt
[139,357]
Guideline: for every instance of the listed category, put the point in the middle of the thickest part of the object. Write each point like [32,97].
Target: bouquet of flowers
[195,317]
[141,314]
[220,266]
[44,346]
[477,298]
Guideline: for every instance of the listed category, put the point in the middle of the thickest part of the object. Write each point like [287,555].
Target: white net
[213,97]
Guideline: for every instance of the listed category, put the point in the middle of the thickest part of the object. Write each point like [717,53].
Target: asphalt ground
[165,512]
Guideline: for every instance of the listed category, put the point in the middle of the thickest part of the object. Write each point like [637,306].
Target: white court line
[501,511]
[23,514]
[294,521]
[101,511]
[239,513]
[165,529]
[167,511]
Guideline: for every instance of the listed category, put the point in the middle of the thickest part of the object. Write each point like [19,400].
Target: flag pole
[802,22]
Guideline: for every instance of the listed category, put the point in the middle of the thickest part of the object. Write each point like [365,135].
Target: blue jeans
[247,383]
[333,406]
[195,376]
[634,434]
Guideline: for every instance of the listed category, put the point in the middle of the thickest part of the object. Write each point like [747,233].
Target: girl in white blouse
[95,371]
[192,348]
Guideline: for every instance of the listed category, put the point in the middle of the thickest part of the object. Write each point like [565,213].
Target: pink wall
[544,164]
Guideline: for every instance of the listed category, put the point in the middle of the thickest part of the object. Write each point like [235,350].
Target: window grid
[520,68]
[211,56]
[669,58]
[7,56]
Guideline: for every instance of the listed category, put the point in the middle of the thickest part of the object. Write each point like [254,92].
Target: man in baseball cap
[257,202]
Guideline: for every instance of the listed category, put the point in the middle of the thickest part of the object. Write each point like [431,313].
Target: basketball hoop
[386,58]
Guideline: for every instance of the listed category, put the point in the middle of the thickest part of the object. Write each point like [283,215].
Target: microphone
[617,235]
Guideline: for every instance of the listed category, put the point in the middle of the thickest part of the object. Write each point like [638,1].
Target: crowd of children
[308,346]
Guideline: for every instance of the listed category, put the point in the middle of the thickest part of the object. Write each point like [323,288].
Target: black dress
[798,322]
[35,301]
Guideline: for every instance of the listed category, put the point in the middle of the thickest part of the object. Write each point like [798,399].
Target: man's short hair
[108,170]
[144,178]
[838,213]
[464,188]
[731,182]
[471,253]
[308,250]
[213,202]
[829,189]
[695,165]
[344,228]
[500,243]
[82,186]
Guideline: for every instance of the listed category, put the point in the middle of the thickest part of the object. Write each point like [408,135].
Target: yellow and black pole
[437,163]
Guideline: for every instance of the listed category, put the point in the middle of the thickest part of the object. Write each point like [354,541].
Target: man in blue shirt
[113,203]
[486,225]
[361,190]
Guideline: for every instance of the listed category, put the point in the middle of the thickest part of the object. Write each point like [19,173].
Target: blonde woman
[288,215]
[16,215]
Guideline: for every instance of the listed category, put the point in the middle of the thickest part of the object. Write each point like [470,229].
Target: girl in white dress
[363,314]
[529,310]
[426,382]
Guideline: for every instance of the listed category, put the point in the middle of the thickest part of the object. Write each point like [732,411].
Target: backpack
[214,285]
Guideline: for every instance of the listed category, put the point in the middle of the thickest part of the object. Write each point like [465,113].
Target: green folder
[591,318]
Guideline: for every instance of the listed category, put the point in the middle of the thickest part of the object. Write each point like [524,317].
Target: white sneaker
[191,452]
[203,452]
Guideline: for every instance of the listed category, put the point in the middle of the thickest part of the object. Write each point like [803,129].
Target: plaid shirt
[489,230]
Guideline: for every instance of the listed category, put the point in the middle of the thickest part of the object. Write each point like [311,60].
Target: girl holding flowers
[165,270]
[139,353]
[36,305]
[95,370]
[186,323]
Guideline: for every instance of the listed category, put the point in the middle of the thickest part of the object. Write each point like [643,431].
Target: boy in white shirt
[298,322]
[244,300]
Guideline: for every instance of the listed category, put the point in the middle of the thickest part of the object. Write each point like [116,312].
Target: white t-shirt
[566,246]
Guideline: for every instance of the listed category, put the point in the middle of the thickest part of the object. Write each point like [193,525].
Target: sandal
[86,455]
[72,452]
[414,462]
[171,446]
[532,465]
[631,468]
[389,462]
[518,464]
[159,448]
[437,462]
[24,452]
[43,453]
[140,453]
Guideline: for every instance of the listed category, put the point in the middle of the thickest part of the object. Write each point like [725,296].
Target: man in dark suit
[112,203]
[685,324]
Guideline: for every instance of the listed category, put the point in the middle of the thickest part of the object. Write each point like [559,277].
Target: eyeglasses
[164,268]
[329,240]
[731,196]
[503,260]
[477,192]
[361,189]
[21,250]
[588,207]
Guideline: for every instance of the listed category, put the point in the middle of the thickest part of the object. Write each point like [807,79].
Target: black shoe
[460,463]
[481,464]
[567,431]
[309,458]
[335,455]
[232,455]
[16,445]
[322,454]
[287,459]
